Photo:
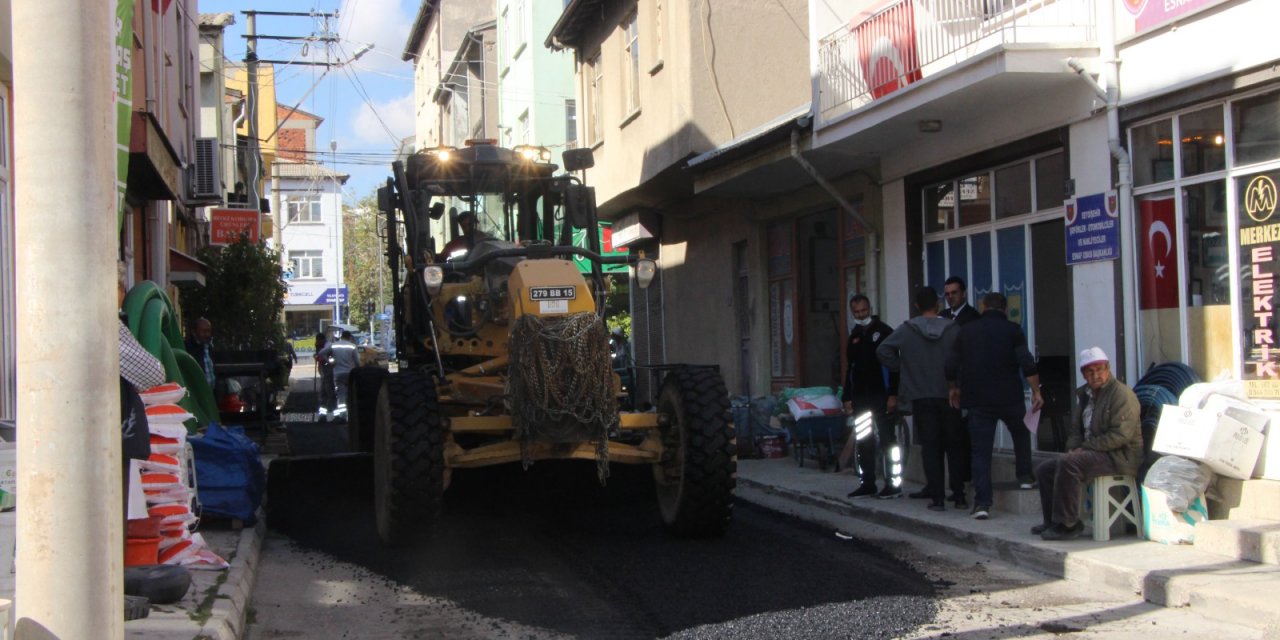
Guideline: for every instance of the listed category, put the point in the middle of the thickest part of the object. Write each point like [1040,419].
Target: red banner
[1158,267]
[227,225]
[886,44]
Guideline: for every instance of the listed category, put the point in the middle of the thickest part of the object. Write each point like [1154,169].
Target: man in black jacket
[983,376]
[957,296]
[870,394]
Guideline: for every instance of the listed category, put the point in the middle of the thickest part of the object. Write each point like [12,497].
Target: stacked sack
[168,481]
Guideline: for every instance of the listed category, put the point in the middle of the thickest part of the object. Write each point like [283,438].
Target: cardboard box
[1166,526]
[1219,439]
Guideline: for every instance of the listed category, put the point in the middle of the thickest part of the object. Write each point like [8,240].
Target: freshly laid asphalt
[1215,586]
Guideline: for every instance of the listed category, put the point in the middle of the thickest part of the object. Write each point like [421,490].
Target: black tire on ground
[159,583]
[408,457]
[362,403]
[136,607]
[698,471]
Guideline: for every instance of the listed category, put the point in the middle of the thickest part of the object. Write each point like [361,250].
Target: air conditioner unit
[202,176]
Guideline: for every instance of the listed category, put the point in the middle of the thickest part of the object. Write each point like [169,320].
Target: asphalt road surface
[552,552]
[547,553]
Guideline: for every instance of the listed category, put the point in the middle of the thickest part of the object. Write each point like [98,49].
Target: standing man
[983,376]
[870,394]
[199,344]
[345,357]
[1105,439]
[918,351]
[958,307]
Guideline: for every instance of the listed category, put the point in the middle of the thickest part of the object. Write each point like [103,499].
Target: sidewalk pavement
[215,606]
[1215,586]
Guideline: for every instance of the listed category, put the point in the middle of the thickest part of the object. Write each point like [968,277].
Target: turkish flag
[1158,268]
[886,44]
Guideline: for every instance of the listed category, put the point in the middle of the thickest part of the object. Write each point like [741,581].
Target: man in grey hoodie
[917,350]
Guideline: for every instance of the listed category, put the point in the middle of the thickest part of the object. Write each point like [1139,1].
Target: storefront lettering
[1259,235]
[1263,294]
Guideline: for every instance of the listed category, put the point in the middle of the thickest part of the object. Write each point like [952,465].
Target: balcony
[908,41]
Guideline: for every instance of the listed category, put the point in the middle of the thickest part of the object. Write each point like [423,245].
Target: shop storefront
[1208,237]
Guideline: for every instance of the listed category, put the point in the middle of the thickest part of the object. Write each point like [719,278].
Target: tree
[243,296]
[362,255]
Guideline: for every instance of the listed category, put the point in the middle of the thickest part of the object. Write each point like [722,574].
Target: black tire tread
[711,461]
[415,444]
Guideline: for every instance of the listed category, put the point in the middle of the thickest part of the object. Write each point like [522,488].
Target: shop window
[939,203]
[1207,287]
[1256,124]
[1013,190]
[782,323]
[1158,252]
[1011,243]
[1152,146]
[1202,142]
[1051,181]
[1256,209]
[975,200]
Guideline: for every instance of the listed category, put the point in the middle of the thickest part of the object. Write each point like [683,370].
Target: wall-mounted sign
[227,225]
[1153,13]
[1259,265]
[1093,228]
[314,293]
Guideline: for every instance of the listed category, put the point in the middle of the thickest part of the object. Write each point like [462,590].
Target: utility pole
[254,162]
[70,533]
[337,236]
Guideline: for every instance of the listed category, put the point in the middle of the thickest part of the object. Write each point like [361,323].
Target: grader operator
[504,355]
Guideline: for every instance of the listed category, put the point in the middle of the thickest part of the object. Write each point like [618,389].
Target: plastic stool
[1107,508]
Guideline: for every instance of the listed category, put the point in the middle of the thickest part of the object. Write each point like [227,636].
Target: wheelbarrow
[817,438]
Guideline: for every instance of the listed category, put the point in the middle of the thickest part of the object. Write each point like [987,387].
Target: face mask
[863,322]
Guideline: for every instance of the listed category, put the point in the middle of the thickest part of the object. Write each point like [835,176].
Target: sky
[367,105]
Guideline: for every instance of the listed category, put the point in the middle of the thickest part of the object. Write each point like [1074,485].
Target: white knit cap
[1092,355]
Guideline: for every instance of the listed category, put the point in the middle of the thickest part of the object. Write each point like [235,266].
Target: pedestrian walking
[917,350]
[983,377]
[345,356]
[325,390]
[870,395]
[1105,439]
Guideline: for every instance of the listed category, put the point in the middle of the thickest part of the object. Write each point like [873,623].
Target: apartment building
[308,194]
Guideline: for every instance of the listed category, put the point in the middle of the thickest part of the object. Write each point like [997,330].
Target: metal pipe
[873,245]
[1110,93]
[70,533]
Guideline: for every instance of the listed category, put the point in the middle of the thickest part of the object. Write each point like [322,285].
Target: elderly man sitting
[1105,439]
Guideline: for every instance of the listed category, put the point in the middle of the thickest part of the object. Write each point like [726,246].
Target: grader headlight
[433,278]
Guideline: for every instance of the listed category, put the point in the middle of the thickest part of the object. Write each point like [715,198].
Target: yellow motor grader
[504,355]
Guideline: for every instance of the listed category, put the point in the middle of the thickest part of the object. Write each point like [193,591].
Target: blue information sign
[1093,228]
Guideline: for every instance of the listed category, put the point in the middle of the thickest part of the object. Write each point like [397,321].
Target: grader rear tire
[698,472]
[362,404]
[408,457]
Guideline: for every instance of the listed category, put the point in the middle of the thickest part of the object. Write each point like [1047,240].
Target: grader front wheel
[408,457]
[698,471]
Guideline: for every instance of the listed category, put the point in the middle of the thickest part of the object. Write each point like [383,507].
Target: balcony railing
[912,39]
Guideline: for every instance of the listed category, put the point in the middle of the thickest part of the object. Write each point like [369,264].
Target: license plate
[553,293]
[553,306]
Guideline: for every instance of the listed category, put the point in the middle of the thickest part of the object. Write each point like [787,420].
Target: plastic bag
[229,471]
[1181,479]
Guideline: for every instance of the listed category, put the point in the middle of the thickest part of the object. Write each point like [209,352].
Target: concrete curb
[1214,586]
[231,604]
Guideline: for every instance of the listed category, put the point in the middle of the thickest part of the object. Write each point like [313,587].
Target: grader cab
[503,354]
